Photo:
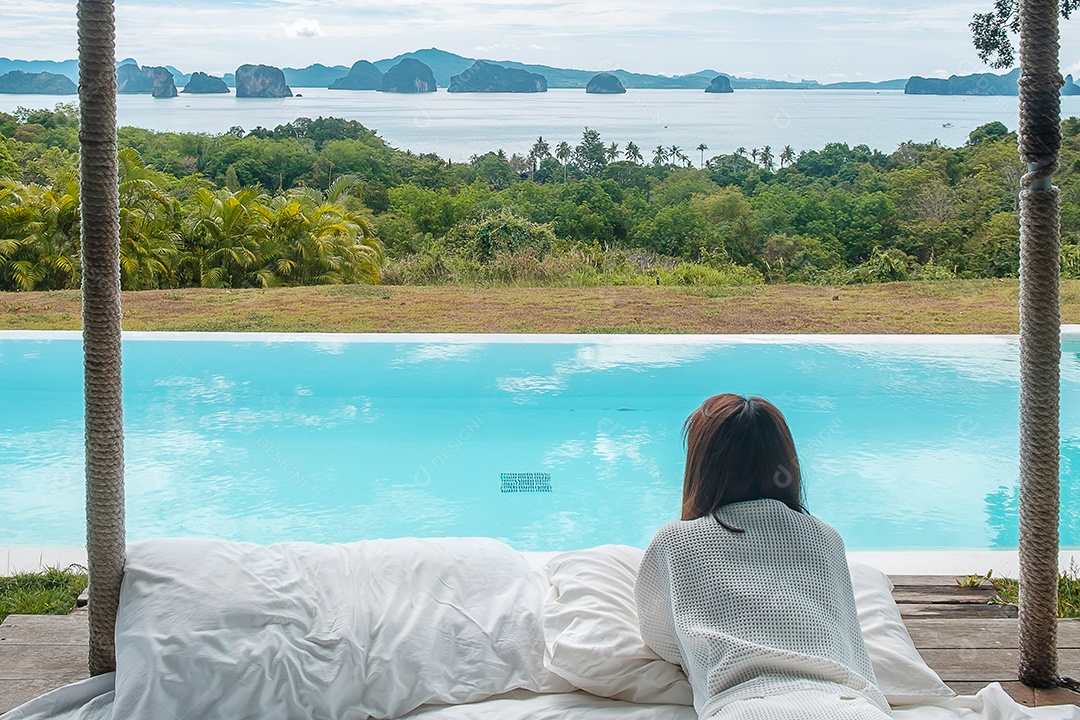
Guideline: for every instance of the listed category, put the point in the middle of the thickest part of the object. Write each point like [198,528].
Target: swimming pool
[547,442]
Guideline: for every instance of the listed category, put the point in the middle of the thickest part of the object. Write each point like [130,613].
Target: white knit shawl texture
[762,621]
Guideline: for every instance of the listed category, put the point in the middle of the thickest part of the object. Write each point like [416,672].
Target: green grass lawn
[52,592]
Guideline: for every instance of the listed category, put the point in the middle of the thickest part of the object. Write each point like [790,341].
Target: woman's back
[758,613]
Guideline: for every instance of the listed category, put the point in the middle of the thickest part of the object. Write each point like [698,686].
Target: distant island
[261,81]
[316,75]
[18,82]
[604,84]
[409,75]
[362,76]
[203,84]
[156,81]
[491,78]
[720,84]
[976,84]
[442,67]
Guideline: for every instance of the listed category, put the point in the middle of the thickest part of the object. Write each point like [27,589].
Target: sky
[824,40]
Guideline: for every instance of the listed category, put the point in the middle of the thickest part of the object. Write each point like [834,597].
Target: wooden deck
[967,641]
[39,653]
[971,643]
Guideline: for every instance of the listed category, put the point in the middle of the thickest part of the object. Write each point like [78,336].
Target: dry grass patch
[973,306]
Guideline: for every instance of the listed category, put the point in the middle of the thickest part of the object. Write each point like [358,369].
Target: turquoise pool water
[904,444]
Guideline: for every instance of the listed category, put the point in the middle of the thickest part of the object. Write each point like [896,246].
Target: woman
[749,593]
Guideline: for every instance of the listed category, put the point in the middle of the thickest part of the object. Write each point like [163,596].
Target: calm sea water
[904,443]
[457,126]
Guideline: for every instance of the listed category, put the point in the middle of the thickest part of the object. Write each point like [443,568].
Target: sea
[457,126]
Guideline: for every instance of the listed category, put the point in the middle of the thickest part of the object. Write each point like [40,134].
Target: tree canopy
[327,201]
[992,31]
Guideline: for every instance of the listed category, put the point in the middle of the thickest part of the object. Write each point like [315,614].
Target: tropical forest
[326,201]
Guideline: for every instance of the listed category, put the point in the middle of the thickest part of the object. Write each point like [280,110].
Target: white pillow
[592,638]
[213,629]
[591,634]
[902,674]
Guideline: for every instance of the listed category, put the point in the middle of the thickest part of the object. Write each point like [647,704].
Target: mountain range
[445,64]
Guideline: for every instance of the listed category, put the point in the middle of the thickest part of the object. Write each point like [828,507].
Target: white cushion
[592,639]
[212,629]
[591,634]
[902,674]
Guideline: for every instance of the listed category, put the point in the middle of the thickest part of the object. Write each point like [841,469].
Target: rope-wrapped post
[1040,341]
[100,236]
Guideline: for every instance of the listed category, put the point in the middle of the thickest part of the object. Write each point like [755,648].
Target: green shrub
[1008,592]
[1070,261]
[933,271]
[52,592]
[695,274]
[892,265]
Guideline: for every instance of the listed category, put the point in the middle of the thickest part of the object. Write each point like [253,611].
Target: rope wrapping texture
[1040,341]
[100,238]
[1040,356]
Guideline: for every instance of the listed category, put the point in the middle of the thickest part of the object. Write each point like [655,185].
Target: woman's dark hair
[738,449]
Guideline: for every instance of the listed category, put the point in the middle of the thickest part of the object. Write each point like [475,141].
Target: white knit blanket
[762,621]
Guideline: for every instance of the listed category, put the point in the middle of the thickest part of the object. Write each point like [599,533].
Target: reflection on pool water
[905,443]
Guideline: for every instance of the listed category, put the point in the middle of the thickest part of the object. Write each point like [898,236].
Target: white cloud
[496,46]
[872,39]
[303,27]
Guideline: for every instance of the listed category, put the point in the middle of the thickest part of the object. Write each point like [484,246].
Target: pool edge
[1069,333]
[1003,563]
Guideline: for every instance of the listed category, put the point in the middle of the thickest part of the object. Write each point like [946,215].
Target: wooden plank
[33,662]
[929,580]
[931,633]
[942,594]
[1056,696]
[14,693]
[915,610]
[987,665]
[45,629]
[996,633]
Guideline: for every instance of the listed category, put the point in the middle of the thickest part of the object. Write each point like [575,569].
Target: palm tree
[612,153]
[741,152]
[16,221]
[344,187]
[633,153]
[660,156]
[702,148]
[676,154]
[148,242]
[317,242]
[538,152]
[224,235]
[563,153]
[40,246]
[766,157]
[754,155]
[787,155]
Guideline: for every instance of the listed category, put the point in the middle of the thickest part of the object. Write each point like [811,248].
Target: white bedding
[992,703]
[92,700]
[427,629]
